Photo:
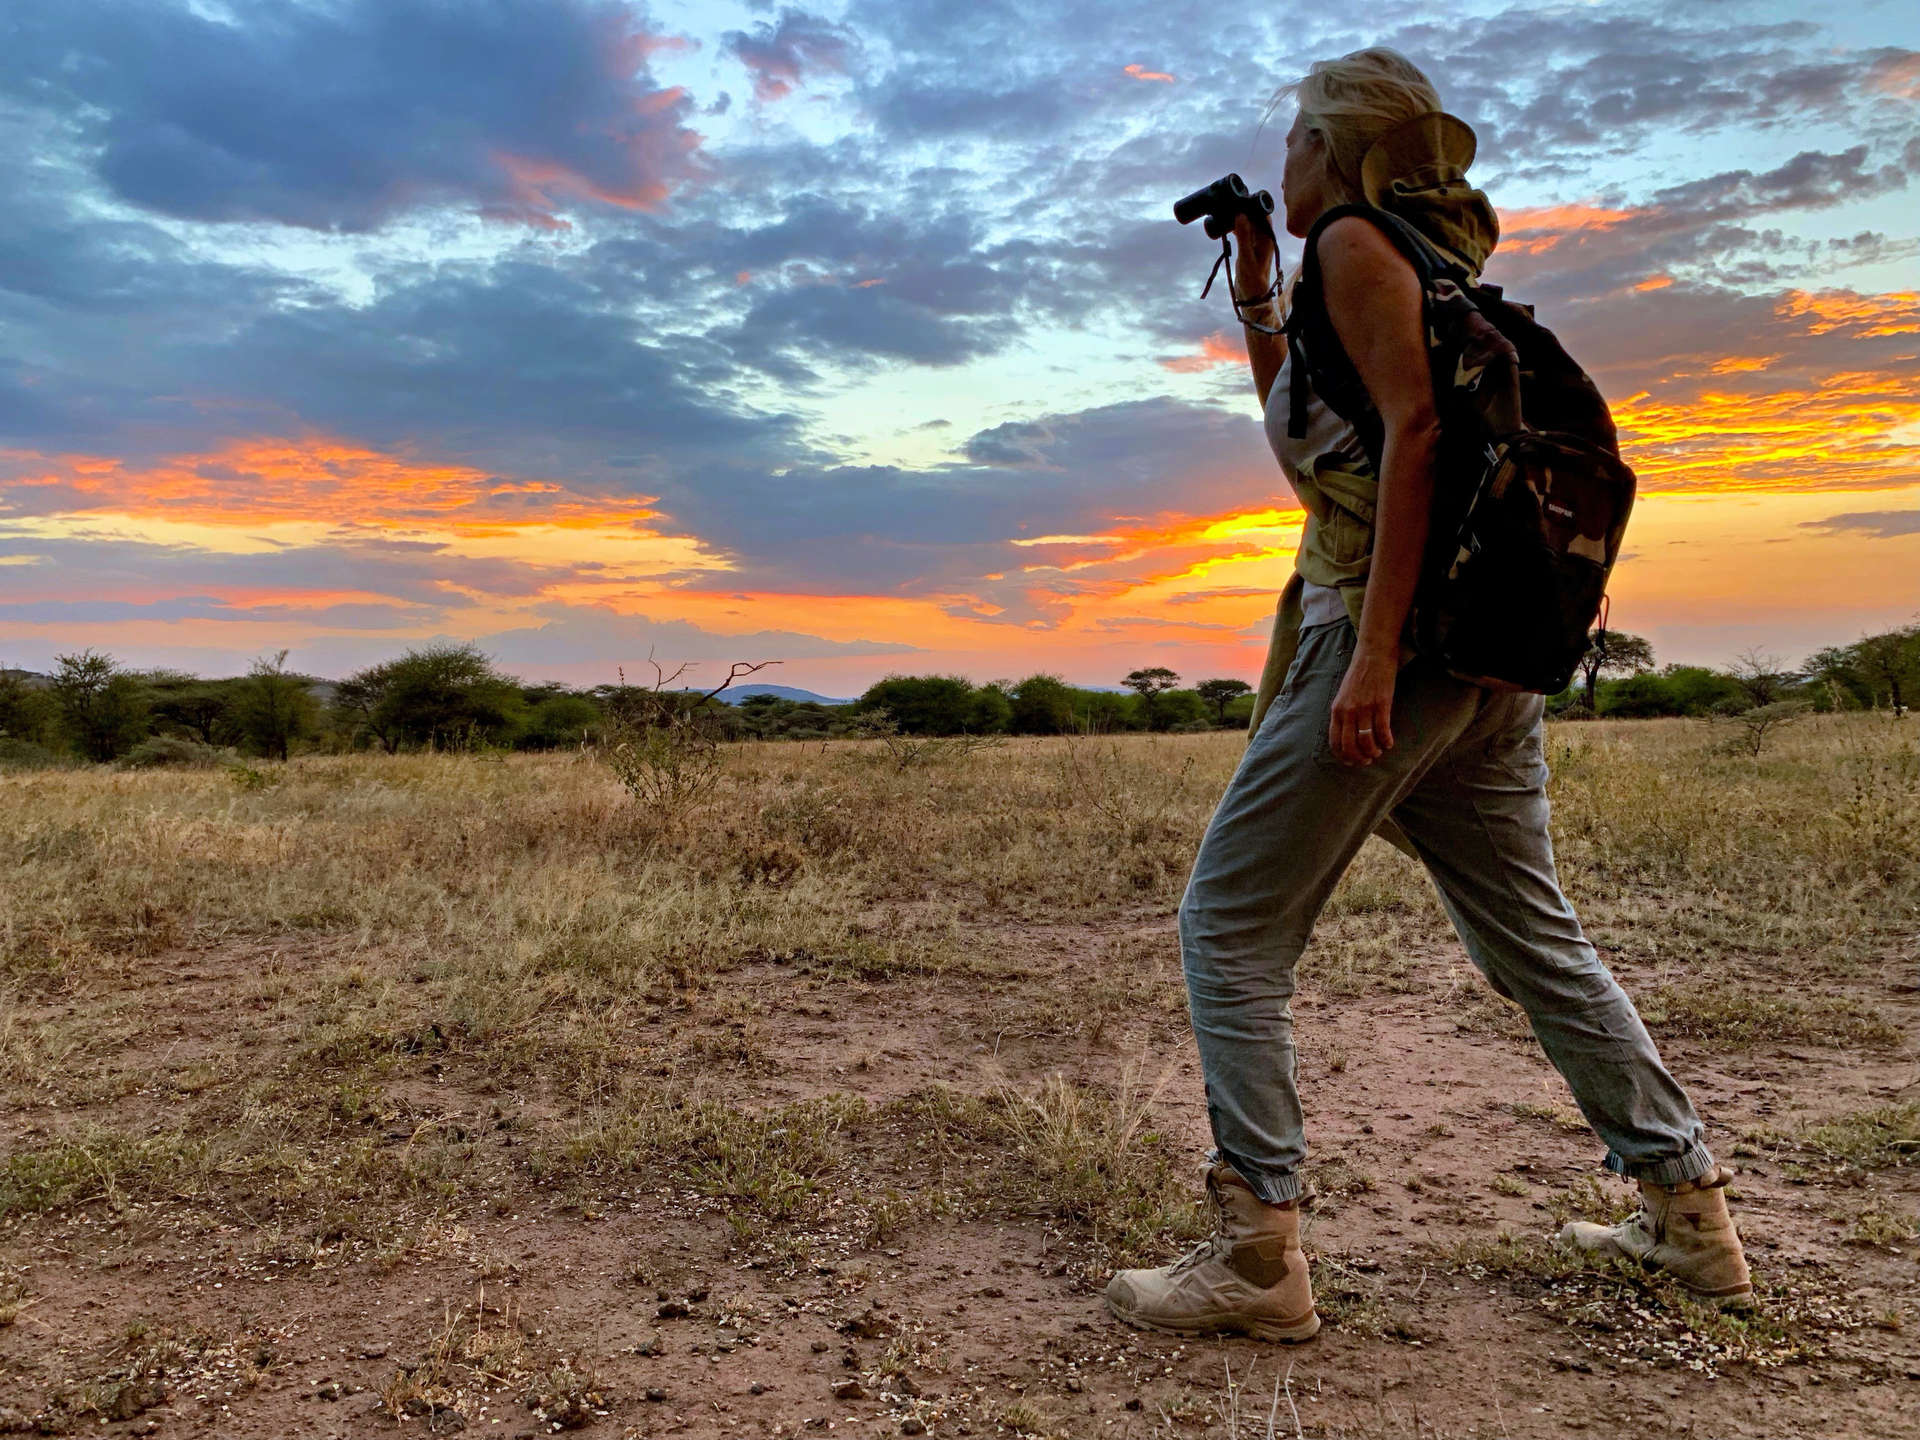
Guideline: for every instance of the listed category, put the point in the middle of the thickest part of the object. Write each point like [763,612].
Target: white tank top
[1326,434]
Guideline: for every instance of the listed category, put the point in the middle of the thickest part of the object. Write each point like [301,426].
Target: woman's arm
[1252,275]
[1373,299]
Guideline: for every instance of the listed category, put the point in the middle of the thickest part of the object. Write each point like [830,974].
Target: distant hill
[737,693]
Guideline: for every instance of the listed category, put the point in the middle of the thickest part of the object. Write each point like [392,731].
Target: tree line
[1619,679]
[449,696]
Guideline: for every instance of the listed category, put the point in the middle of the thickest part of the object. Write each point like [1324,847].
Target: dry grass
[525,915]
[540,865]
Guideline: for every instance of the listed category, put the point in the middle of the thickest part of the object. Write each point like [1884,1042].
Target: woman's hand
[1253,259]
[1360,729]
[1254,252]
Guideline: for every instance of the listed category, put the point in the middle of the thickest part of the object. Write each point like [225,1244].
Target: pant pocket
[1319,687]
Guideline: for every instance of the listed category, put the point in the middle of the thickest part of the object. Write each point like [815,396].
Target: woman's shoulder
[1355,243]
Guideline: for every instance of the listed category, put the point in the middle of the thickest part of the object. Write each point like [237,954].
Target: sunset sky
[860,337]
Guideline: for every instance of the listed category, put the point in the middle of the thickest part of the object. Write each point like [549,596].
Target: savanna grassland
[374,1095]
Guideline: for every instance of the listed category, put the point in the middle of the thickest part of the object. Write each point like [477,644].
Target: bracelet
[1260,301]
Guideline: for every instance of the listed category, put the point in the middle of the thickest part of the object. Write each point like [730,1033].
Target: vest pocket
[1342,523]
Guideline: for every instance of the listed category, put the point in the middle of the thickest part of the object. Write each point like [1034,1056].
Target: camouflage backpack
[1530,495]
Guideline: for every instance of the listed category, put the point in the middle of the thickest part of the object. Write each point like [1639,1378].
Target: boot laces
[1216,1246]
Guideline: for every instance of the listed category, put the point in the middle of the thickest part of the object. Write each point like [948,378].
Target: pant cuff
[1697,1161]
[1275,1189]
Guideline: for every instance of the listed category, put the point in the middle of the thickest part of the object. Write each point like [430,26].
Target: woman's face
[1303,182]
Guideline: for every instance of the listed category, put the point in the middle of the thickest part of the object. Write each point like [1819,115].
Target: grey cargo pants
[1466,783]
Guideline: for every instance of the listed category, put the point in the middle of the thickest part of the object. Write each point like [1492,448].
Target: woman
[1362,735]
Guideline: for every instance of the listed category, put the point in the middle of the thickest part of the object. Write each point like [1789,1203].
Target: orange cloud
[1162,553]
[1897,74]
[1893,313]
[1140,72]
[309,479]
[1536,230]
[1846,431]
[1217,349]
[652,150]
[1655,282]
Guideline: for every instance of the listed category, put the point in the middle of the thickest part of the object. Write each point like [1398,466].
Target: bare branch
[734,672]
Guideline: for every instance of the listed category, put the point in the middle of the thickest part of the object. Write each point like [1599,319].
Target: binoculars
[1220,203]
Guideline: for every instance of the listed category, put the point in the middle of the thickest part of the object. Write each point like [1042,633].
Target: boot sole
[1286,1333]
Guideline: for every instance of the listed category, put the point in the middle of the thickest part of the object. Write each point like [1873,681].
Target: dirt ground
[638,1302]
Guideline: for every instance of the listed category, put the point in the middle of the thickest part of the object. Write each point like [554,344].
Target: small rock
[672,1310]
[820,1347]
[445,1422]
[696,1296]
[656,1394]
[329,1391]
[912,1426]
[1134,1403]
[849,1390]
[1075,1385]
[756,1388]
[374,1352]
[649,1347]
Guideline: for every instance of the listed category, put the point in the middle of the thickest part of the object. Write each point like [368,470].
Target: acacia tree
[1042,705]
[1891,663]
[273,707]
[26,711]
[100,704]
[1222,693]
[202,708]
[442,695]
[1622,654]
[360,702]
[1761,673]
[1150,684]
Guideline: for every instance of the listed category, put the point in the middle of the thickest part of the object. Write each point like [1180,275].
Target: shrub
[26,755]
[172,750]
[557,721]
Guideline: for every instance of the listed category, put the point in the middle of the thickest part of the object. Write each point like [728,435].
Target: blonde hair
[1355,100]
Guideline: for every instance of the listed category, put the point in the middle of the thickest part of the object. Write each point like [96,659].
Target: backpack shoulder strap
[1420,252]
[1319,360]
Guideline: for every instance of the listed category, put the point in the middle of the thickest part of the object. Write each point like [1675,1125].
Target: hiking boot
[1249,1279]
[1683,1230]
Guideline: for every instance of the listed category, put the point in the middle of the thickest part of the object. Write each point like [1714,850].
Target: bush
[26,755]
[558,721]
[172,750]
